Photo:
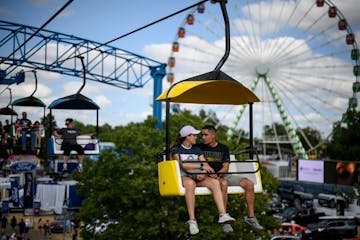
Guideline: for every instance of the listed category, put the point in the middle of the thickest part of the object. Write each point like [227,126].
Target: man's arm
[224,169]
[225,160]
[56,134]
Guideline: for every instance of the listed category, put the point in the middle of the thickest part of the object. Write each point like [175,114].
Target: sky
[309,95]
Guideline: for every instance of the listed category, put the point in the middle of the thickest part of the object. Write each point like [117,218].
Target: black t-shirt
[215,155]
[69,135]
[7,129]
[26,123]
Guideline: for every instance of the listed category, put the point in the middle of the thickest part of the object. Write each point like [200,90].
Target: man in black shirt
[218,157]
[26,128]
[69,143]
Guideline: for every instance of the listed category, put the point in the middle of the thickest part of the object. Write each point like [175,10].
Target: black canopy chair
[75,101]
[6,110]
[31,101]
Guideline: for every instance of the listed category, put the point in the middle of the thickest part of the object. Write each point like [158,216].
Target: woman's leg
[214,186]
[189,186]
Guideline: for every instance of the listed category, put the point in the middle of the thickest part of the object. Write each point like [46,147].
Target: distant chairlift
[7,110]
[76,101]
[31,101]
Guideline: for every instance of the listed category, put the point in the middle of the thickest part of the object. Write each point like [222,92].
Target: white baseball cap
[187,130]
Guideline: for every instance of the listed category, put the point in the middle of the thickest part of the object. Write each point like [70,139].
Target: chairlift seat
[170,183]
[83,140]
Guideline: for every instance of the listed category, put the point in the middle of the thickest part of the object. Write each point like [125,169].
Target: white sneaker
[80,168]
[226,228]
[226,218]
[193,227]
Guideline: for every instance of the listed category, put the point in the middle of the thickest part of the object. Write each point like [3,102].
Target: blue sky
[102,21]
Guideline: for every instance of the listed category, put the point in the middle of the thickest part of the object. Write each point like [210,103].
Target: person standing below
[186,153]
[13,222]
[69,143]
[47,231]
[26,129]
[4,221]
[22,227]
[74,233]
[40,224]
[218,157]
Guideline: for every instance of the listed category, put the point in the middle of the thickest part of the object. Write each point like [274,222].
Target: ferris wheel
[300,58]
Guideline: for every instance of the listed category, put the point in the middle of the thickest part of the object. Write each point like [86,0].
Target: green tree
[270,130]
[49,124]
[345,142]
[84,129]
[312,135]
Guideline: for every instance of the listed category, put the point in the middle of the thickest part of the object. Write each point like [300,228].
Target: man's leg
[23,140]
[250,220]
[80,159]
[224,187]
[226,228]
[80,152]
[33,140]
[248,186]
[65,159]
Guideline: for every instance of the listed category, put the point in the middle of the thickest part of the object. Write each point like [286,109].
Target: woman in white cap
[191,159]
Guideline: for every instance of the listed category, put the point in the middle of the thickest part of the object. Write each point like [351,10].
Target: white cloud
[102,101]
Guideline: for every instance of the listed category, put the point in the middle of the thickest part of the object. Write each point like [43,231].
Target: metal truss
[57,52]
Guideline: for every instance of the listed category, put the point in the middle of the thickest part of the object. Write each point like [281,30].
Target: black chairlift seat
[75,101]
[7,111]
[29,102]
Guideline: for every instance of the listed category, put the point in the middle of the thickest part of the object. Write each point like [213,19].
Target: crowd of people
[12,229]
[16,133]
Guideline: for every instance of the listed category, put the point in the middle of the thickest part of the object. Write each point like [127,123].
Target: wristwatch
[201,166]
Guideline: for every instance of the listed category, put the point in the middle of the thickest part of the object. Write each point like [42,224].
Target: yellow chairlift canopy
[208,89]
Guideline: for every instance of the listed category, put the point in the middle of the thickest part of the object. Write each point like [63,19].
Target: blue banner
[15,193]
[5,206]
[28,190]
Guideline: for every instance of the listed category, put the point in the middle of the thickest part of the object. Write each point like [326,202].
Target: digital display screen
[342,173]
[311,170]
